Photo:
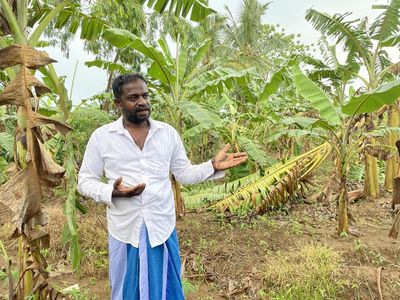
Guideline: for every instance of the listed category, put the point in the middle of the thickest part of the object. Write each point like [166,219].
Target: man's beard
[134,118]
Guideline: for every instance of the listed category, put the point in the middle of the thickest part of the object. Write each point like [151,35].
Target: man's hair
[120,80]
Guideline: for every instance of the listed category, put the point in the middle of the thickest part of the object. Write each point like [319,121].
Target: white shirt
[112,152]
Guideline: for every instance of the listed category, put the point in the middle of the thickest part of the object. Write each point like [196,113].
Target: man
[136,154]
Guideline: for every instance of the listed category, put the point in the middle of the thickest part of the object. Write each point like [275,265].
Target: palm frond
[232,186]
[355,40]
[383,61]
[216,80]
[213,194]
[291,133]
[255,151]
[197,9]
[315,62]
[279,184]
[387,23]
[382,132]
[328,52]
[107,65]
[202,199]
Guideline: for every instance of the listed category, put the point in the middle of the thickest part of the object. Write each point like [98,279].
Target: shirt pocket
[158,165]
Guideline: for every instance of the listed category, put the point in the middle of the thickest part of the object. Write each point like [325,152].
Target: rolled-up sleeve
[89,178]
[184,171]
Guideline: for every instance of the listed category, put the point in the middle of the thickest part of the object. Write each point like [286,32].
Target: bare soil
[223,256]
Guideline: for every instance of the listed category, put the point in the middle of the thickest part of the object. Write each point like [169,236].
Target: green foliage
[3,169]
[355,39]
[312,272]
[373,100]
[310,91]
[7,142]
[387,23]
[255,151]
[198,9]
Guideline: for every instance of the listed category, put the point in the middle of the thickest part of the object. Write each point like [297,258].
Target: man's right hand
[121,190]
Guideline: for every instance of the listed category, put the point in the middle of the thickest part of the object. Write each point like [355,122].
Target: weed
[206,245]
[188,287]
[296,227]
[311,273]
[359,246]
[377,258]
[187,243]
[198,265]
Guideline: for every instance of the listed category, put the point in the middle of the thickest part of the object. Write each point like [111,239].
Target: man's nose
[142,100]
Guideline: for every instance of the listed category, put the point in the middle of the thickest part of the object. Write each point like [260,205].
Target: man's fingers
[117,182]
[240,154]
[226,147]
[140,186]
[137,189]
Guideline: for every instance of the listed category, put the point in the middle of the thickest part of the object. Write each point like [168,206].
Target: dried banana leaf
[17,92]
[22,195]
[21,54]
[41,158]
[36,119]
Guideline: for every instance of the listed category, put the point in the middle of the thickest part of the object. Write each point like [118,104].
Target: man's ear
[117,102]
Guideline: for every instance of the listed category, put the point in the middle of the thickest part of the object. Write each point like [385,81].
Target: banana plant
[36,171]
[337,125]
[365,45]
[16,20]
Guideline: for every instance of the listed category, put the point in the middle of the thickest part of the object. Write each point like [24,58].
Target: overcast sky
[289,14]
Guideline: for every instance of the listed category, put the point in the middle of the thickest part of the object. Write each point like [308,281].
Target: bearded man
[136,154]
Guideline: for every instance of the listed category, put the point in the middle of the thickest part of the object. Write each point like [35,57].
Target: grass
[313,272]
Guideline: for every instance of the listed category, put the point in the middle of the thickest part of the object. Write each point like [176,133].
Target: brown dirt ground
[222,258]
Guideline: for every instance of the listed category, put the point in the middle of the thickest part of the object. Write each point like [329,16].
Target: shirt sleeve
[89,178]
[184,171]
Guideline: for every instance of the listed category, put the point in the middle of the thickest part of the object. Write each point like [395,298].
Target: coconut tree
[242,35]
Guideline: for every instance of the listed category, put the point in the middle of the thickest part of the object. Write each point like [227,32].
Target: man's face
[135,102]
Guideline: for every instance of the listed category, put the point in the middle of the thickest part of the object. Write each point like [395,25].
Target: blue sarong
[145,273]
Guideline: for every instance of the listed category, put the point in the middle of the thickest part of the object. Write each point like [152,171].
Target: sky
[289,14]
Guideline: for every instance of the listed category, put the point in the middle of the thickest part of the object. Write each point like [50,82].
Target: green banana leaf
[310,91]
[373,100]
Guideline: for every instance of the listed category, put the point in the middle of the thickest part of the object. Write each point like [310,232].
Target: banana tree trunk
[21,156]
[179,204]
[392,163]
[371,182]
[343,201]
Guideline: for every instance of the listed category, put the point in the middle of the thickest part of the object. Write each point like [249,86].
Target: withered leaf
[22,54]
[36,119]
[17,92]
[43,162]
[22,195]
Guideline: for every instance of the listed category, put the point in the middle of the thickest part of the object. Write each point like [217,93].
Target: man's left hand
[224,160]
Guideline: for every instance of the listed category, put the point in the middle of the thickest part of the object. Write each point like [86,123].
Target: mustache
[143,107]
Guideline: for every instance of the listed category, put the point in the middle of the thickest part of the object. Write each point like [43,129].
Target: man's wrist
[213,164]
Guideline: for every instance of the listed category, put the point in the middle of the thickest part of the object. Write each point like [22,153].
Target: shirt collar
[118,125]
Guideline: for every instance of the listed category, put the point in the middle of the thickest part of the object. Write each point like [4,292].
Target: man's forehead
[137,86]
